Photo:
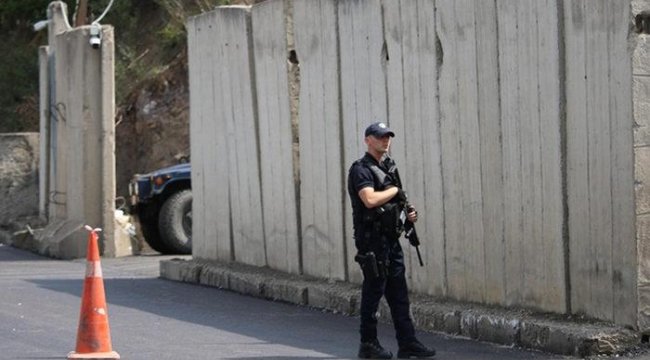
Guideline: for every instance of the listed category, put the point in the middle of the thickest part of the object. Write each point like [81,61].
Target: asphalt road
[152,318]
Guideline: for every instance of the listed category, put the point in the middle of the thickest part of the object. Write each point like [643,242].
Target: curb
[548,333]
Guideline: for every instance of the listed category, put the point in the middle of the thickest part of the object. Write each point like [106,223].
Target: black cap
[379,129]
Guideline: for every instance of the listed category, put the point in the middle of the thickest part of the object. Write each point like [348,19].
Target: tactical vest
[384,221]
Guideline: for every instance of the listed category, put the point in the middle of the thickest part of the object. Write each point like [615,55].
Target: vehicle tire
[175,222]
[149,226]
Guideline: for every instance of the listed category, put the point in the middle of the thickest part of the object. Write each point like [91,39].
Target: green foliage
[20,14]
[172,35]
[145,40]
[148,34]
[19,72]
[19,63]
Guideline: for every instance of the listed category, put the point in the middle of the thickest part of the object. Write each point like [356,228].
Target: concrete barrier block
[215,276]
[533,335]
[451,322]
[339,299]
[247,284]
[554,338]
[286,290]
[346,302]
[564,342]
[351,302]
[319,296]
[180,270]
[434,316]
[170,270]
[498,329]
[63,239]
[424,318]
[469,324]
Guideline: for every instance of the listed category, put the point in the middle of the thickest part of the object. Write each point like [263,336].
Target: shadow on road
[270,322]
[332,336]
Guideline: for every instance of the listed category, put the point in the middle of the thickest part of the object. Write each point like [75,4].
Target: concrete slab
[64,239]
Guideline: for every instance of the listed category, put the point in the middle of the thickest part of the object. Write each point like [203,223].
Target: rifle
[409,227]
[412,235]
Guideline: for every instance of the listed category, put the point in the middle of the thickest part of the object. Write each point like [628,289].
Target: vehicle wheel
[149,226]
[175,222]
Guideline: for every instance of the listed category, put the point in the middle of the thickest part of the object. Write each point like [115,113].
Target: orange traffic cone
[93,335]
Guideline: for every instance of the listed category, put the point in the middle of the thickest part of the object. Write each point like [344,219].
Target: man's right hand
[411,214]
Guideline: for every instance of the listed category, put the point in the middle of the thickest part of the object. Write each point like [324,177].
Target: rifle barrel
[417,250]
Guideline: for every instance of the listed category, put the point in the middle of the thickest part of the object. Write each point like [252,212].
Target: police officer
[376,214]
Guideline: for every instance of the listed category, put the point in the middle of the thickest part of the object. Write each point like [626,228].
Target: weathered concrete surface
[269,38]
[641,108]
[509,327]
[317,88]
[643,237]
[44,126]
[232,133]
[642,180]
[641,94]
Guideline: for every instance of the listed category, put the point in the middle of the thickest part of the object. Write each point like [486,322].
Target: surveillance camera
[95,36]
[95,42]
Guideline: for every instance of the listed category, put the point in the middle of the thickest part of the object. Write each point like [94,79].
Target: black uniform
[371,235]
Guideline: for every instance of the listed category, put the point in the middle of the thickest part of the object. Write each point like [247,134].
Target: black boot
[373,350]
[415,349]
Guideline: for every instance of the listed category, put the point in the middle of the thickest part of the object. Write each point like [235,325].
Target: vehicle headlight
[159,180]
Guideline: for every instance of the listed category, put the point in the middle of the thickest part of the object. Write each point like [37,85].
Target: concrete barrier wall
[320,127]
[530,98]
[279,210]
[225,132]
[78,110]
[514,139]
[44,133]
[85,181]
[412,51]
[600,165]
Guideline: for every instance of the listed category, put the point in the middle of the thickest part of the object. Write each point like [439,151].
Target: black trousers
[392,285]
